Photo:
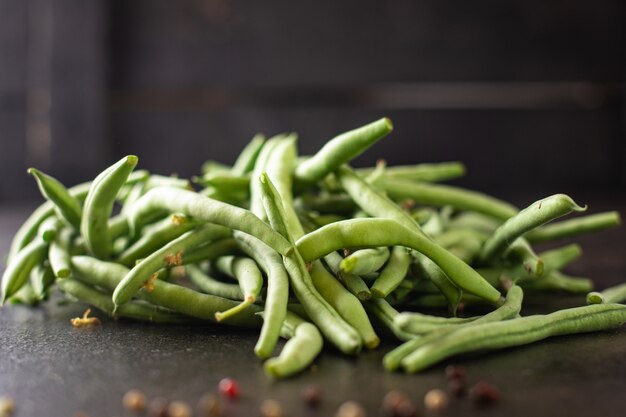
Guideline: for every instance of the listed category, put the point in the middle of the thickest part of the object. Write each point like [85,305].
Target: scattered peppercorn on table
[331,258]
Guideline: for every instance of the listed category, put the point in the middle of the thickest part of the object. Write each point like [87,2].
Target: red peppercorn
[229,388]
[484,394]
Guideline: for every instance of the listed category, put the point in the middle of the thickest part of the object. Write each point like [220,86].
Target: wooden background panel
[544,149]
[215,42]
[13,179]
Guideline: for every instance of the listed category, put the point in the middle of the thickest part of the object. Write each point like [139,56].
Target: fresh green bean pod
[330,323]
[558,281]
[173,297]
[427,172]
[393,273]
[575,227]
[277,291]
[326,203]
[41,278]
[352,282]
[342,149]
[207,210]
[616,294]
[25,296]
[346,304]
[429,270]
[260,166]
[387,232]
[446,195]
[303,345]
[510,309]
[520,251]
[212,167]
[517,332]
[365,261]
[136,310]
[28,230]
[250,279]
[158,235]
[66,206]
[94,226]
[535,215]
[168,255]
[18,270]
[248,156]
[417,323]
[59,253]
[210,285]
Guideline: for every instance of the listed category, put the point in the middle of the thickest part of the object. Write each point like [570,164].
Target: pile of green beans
[309,249]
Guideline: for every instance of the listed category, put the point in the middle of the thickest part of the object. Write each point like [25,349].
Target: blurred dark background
[529,94]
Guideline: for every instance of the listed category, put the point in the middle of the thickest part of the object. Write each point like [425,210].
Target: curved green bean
[248,156]
[517,332]
[66,206]
[304,344]
[388,232]
[248,274]
[365,261]
[510,309]
[341,150]
[393,273]
[94,226]
[575,227]
[18,270]
[59,253]
[211,286]
[277,291]
[535,215]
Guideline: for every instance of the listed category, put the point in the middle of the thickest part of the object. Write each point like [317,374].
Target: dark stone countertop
[52,369]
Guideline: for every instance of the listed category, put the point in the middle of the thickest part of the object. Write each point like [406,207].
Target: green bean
[18,270]
[364,261]
[158,181]
[49,229]
[616,294]
[511,308]
[136,310]
[207,210]
[280,165]
[168,255]
[67,207]
[446,195]
[485,225]
[517,332]
[277,291]
[29,228]
[304,344]
[387,232]
[346,304]
[435,172]
[210,285]
[521,251]
[211,250]
[59,253]
[94,225]
[330,323]
[248,156]
[341,150]
[174,297]
[558,281]
[158,235]
[260,166]
[575,227]
[248,274]
[428,269]
[393,273]
[352,282]
[210,167]
[25,295]
[136,191]
[385,313]
[417,323]
[41,278]
[538,213]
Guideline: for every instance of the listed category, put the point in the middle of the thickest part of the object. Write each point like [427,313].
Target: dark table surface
[52,369]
